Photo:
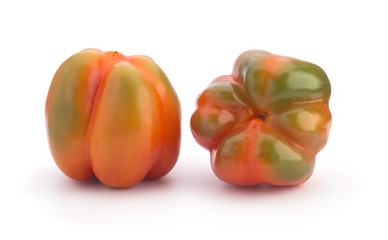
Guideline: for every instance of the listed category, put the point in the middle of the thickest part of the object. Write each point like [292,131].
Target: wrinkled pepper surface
[264,123]
[113,116]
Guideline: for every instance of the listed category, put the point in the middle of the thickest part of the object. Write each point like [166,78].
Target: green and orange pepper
[118,118]
[113,116]
[264,123]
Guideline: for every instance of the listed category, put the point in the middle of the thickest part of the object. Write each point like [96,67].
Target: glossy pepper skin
[113,116]
[264,123]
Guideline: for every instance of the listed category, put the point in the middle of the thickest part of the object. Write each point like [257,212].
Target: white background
[194,42]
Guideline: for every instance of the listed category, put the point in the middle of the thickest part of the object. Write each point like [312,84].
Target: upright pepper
[112,116]
[264,123]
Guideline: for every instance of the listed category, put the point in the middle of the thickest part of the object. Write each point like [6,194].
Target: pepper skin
[113,116]
[264,123]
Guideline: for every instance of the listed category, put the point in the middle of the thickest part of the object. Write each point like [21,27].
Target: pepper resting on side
[264,123]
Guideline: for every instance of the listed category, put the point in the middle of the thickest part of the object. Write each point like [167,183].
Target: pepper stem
[261,116]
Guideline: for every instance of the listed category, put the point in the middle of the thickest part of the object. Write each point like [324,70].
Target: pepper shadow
[94,185]
[260,190]
[55,181]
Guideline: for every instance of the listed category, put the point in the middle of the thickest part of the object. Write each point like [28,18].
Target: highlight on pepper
[266,122]
[112,116]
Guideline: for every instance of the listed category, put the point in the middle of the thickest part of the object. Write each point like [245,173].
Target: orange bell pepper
[264,123]
[113,116]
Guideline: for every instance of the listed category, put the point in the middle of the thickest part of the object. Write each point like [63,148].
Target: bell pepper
[112,116]
[264,123]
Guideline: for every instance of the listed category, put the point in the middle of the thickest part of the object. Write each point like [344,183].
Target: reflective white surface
[193,43]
